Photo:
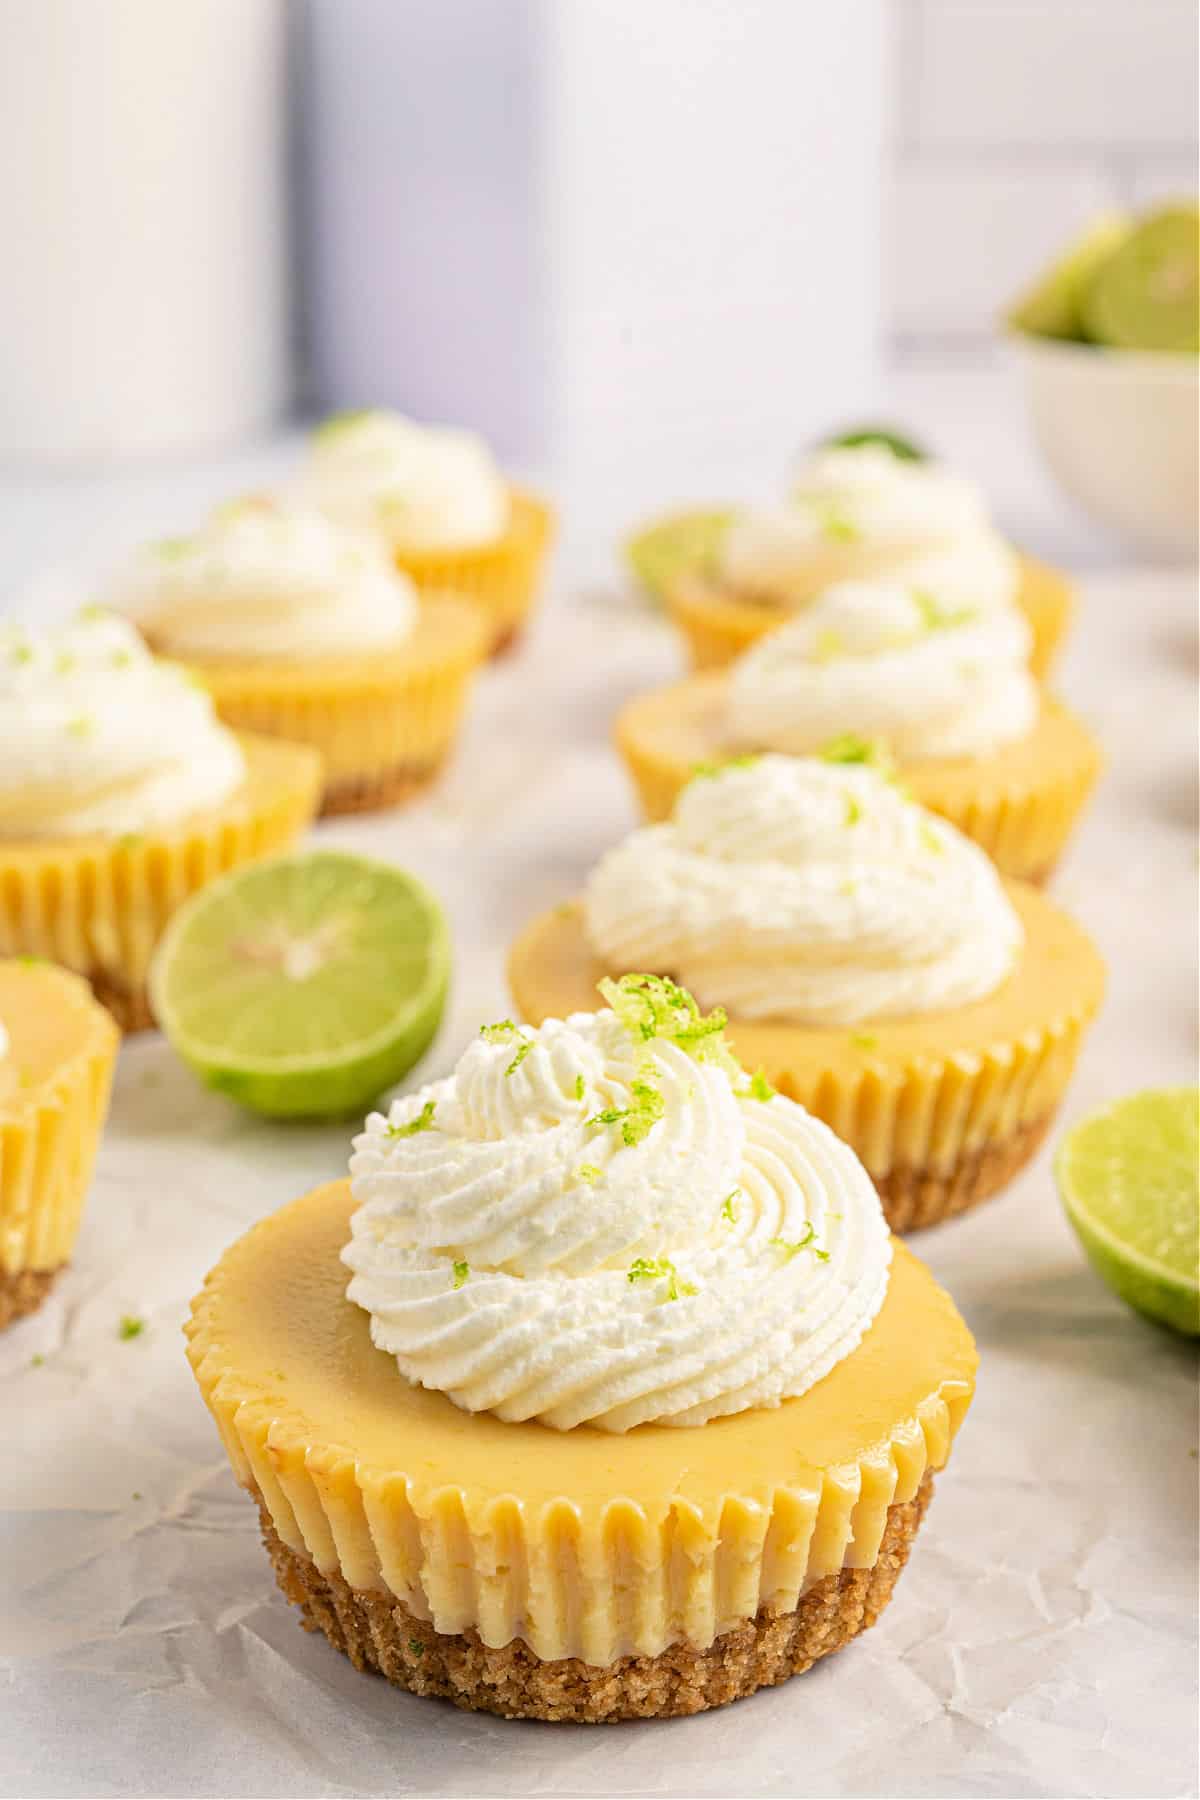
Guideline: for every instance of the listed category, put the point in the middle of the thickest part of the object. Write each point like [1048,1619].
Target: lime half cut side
[304,986]
[686,543]
[1128,1179]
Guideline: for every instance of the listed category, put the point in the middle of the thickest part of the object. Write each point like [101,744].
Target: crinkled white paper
[1042,1641]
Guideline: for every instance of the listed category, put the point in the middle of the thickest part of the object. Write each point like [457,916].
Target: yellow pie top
[517,1529]
[553,971]
[677,727]
[55,1029]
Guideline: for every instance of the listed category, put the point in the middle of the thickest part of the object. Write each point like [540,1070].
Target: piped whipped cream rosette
[265,577]
[303,628]
[864,512]
[870,959]
[450,518]
[790,888]
[853,514]
[99,737]
[888,662]
[425,487]
[942,688]
[606,1221]
[121,792]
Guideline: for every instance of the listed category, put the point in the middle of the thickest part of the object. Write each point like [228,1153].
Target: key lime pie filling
[872,964]
[304,629]
[600,1390]
[861,513]
[452,522]
[121,794]
[944,690]
[57,1051]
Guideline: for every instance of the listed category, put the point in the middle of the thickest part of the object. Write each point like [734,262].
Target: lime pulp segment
[1129,1180]
[305,984]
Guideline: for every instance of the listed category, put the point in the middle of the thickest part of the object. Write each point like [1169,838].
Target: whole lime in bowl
[305,985]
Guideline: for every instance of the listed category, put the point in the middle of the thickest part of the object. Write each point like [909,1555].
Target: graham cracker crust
[130,1008]
[372,793]
[378,1633]
[23,1290]
[914,1198]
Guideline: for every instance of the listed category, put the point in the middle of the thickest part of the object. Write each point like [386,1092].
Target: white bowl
[1119,430]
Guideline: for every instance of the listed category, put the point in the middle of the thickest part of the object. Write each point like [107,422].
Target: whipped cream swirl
[265,578]
[862,513]
[97,737]
[788,888]
[596,1227]
[425,487]
[885,661]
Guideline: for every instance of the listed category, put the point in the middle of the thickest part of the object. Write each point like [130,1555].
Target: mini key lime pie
[872,964]
[121,794]
[303,629]
[57,1049]
[853,513]
[600,1392]
[944,690]
[452,521]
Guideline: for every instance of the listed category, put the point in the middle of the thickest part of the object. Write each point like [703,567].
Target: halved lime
[1146,294]
[305,985]
[1128,1178]
[1052,306]
[882,437]
[682,544]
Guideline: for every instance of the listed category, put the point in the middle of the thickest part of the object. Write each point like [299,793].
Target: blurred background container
[637,242]
[647,246]
[142,212]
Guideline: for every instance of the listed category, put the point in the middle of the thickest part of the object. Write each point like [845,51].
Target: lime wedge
[1128,1180]
[1051,307]
[1146,294]
[683,544]
[305,985]
[882,437]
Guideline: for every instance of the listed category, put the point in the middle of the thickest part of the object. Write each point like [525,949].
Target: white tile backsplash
[1015,121]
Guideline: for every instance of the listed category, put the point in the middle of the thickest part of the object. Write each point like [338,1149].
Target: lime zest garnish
[171,548]
[579,1087]
[931,840]
[791,1249]
[638,1120]
[36,1360]
[705,771]
[852,749]
[416,1647]
[130,1327]
[935,616]
[864,1040]
[757,1088]
[88,615]
[495,1033]
[654,1006]
[729,1206]
[461,1271]
[523,1050]
[342,421]
[835,522]
[854,811]
[422,1122]
[829,645]
[81,726]
[588,1172]
[660,1268]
